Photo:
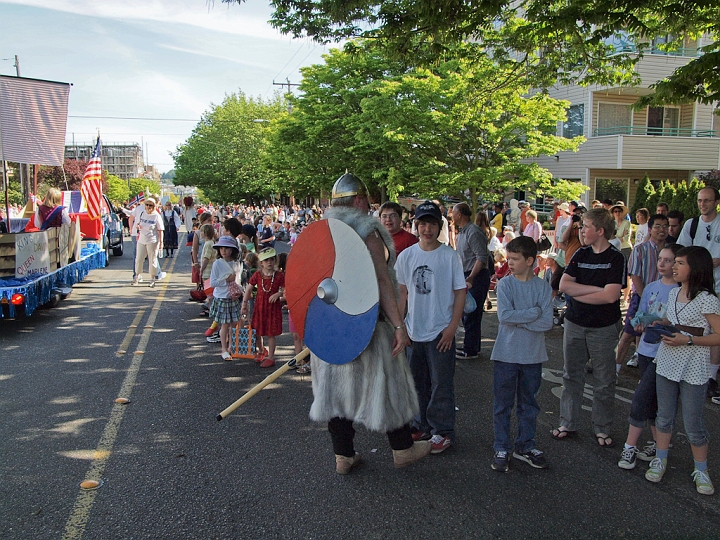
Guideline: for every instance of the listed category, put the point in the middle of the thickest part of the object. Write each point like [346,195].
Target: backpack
[693,228]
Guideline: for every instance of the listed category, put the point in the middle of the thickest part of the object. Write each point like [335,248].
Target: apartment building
[674,142]
[124,160]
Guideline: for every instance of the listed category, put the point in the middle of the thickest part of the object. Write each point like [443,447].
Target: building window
[614,189]
[614,119]
[575,123]
[663,121]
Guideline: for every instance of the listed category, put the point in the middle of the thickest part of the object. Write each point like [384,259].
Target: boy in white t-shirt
[432,284]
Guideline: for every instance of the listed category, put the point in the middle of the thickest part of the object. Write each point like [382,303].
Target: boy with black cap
[431,281]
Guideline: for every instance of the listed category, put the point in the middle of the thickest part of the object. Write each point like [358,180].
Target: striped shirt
[643,262]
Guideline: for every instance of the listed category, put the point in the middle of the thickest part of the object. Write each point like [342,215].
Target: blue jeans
[511,381]
[644,402]
[472,322]
[434,373]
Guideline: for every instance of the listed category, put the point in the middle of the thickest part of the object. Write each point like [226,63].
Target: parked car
[107,230]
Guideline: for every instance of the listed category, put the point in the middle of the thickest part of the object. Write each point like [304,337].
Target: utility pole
[16,65]
[289,85]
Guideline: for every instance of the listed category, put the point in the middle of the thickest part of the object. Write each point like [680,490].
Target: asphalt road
[169,470]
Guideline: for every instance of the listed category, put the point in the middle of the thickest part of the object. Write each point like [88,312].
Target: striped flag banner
[73,201]
[91,187]
[138,199]
[33,118]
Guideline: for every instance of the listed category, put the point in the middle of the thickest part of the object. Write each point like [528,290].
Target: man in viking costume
[376,389]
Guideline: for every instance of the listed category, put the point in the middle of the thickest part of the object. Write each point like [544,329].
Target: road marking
[76,523]
[130,333]
[555,376]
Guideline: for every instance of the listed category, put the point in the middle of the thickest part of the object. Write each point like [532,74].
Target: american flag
[91,187]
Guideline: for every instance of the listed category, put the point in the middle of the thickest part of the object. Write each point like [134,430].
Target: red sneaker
[420,436]
[267,363]
[439,444]
[210,331]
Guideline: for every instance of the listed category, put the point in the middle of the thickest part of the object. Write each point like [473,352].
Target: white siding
[689,153]
[704,117]
[653,67]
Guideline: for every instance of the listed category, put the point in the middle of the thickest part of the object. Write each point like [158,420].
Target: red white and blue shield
[332,291]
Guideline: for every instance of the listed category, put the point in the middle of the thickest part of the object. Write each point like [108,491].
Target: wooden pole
[270,378]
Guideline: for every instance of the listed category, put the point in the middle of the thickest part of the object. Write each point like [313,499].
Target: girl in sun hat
[267,313]
[225,309]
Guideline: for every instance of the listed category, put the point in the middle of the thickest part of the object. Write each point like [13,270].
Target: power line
[132,133]
[136,118]
[308,56]
[288,62]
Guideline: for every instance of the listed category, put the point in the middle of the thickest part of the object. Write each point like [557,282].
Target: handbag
[195,275]
[470,303]
[243,341]
[234,291]
[543,243]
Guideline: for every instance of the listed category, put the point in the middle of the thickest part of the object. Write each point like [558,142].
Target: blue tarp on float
[36,290]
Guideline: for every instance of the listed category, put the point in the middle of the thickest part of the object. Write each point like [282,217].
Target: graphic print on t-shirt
[422,277]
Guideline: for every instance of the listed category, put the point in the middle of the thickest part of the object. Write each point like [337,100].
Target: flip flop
[557,431]
[604,441]
[226,356]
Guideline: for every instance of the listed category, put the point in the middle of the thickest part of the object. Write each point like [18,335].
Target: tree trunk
[473,203]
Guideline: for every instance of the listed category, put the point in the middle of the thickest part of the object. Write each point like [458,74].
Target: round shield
[332,291]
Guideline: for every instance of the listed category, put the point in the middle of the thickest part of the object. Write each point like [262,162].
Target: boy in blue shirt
[525,313]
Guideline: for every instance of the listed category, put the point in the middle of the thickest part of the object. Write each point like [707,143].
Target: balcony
[689,52]
[654,131]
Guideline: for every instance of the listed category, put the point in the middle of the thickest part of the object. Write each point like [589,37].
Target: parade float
[39,267]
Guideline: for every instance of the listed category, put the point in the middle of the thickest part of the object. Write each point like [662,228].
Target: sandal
[260,356]
[557,434]
[303,369]
[226,356]
[268,362]
[604,441]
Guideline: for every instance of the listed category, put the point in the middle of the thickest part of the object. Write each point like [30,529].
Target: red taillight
[17,299]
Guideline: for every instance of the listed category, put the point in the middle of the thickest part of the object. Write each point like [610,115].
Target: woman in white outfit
[150,227]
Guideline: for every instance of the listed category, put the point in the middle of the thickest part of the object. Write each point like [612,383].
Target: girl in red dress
[267,313]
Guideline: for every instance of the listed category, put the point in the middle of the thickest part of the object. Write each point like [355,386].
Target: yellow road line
[76,523]
[130,333]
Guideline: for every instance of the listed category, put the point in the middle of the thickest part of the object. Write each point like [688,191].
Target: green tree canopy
[143,185]
[225,155]
[466,127]
[117,189]
[568,39]
[314,145]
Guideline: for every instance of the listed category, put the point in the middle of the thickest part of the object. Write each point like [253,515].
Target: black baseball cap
[428,209]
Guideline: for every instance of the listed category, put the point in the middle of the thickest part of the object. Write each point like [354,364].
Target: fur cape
[376,389]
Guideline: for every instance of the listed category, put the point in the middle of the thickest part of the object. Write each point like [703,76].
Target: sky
[158,59]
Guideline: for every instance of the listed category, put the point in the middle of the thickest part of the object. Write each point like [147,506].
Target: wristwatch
[690,341]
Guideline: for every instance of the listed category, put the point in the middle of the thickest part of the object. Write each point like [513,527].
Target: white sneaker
[633,362]
[139,279]
[161,275]
[702,482]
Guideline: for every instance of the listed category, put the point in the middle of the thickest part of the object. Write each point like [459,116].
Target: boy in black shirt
[592,281]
